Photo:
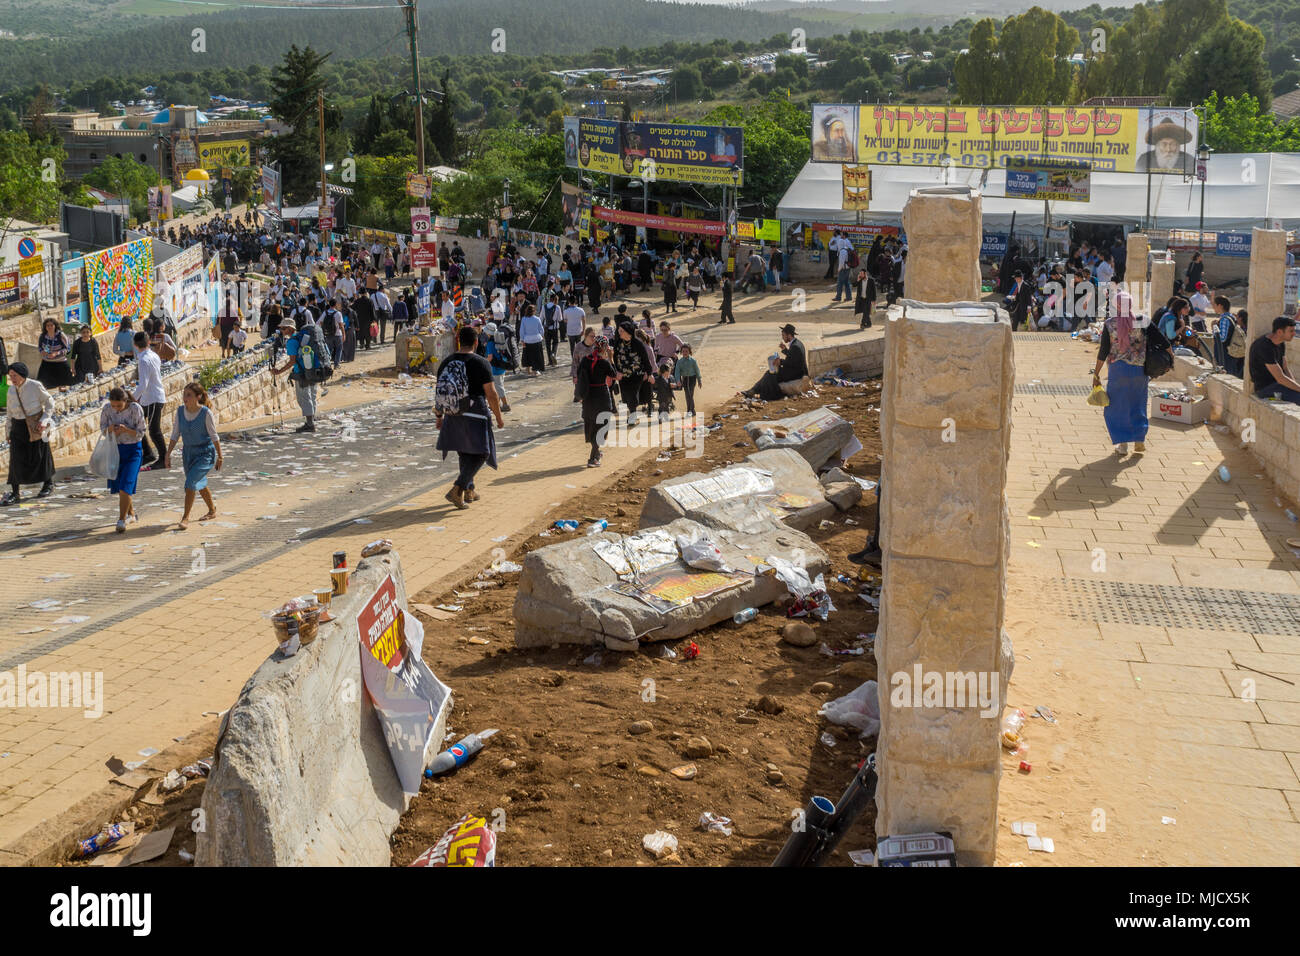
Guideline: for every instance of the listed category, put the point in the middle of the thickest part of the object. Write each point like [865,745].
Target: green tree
[776,147]
[1033,61]
[976,73]
[297,83]
[29,187]
[686,83]
[440,145]
[123,176]
[1229,60]
[1238,125]
[394,142]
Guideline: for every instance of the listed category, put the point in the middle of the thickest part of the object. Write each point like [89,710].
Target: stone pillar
[944,226]
[946,428]
[1264,293]
[1162,281]
[1137,246]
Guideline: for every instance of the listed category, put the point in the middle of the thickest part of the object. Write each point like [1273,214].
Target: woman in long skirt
[124,419]
[197,426]
[1124,347]
[595,373]
[30,460]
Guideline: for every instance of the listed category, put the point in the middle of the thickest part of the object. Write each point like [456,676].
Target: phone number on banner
[886,157]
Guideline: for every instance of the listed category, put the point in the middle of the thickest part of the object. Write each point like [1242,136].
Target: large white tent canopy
[1242,190]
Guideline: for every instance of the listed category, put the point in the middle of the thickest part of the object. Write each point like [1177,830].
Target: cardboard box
[1185,413]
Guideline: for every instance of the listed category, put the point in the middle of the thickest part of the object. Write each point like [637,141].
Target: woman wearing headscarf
[1124,347]
[124,420]
[634,365]
[55,372]
[30,459]
[124,342]
[595,372]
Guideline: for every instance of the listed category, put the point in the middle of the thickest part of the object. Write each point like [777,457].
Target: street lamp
[1202,173]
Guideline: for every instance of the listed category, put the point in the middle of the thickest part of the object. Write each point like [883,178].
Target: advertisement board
[229,153]
[184,278]
[1046,179]
[1111,139]
[10,289]
[270,187]
[655,151]
[419,186]
[1235,244]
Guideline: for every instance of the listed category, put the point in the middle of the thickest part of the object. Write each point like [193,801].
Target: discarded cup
[339,580]
[323,595]
[748,614]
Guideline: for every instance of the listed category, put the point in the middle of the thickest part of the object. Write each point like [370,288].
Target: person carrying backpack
[463,399]
[309,358]
[498,348]
[552,318]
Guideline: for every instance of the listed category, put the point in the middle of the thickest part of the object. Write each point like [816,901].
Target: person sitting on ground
[1268,368]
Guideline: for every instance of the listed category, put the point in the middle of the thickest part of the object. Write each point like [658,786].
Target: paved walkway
[168,664]
[1148,603]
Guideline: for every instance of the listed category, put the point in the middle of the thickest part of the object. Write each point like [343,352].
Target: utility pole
[412,30]
[324,187]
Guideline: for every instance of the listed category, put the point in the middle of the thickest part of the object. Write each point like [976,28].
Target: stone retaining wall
[863,357]
[1271,430]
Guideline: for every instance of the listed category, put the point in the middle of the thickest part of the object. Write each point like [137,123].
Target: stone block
[963,352]
[731,497]
[917,798]
[944,230]
[952,506]
[564,594]
[1162,280]
[817,435]
[303,774]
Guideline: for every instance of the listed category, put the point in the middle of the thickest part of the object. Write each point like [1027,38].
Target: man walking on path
[298,351]
[150,395]
[727,286]
[575,320]
[463,398]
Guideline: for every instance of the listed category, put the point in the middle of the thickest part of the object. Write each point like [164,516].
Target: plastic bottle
[459,752]
[1012,724]
[748,614]
[1224,476]
[596,527]
[567,524]
[844,579]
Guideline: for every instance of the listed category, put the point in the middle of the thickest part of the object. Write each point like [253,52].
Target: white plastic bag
[104,460]
[660,843]
[859,709]
[701,553]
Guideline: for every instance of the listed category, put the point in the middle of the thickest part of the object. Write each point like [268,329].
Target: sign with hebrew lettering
[656,151]
[1106,139]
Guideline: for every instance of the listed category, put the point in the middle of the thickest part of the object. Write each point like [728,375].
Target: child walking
[687,373]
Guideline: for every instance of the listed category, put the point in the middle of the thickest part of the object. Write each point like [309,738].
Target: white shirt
[149,386]
[575,320]
[1105,272]
[1200,303]
[347,285]
[380,301]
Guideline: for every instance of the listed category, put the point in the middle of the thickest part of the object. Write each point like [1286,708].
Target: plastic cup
[339,581]
[323,595]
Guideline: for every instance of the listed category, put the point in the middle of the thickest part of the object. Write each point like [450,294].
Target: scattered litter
[667,652]
[147,752]
[842,651]
[1045,713]
[566,524]
[72,619]
[1168,821]
[110,835]
[716,824]
[380,546]
[691,651]
[173,781]
[1041,844]
[859,709]
[1025,828]
[505,567]
[862,857]
[475,845]
[659,844]
[151,846]
[685,772]
[594,660]
[827,739]
[362,521]
[186,855]
[449,608]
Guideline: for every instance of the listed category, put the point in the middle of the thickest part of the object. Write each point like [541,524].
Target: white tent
[1241,191]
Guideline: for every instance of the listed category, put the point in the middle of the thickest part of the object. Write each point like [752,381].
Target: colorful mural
[119,282]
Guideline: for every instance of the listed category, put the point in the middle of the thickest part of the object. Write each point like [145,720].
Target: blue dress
[200,453]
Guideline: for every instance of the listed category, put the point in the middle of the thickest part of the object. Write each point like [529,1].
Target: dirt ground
[570,784]
[565,778]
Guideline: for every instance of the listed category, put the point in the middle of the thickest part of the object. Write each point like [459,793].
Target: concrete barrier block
[303,774]
[817,435]
[695,494]
[565,594]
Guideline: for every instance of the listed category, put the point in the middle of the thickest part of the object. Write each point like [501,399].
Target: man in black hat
[788,376]
[1168,156]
